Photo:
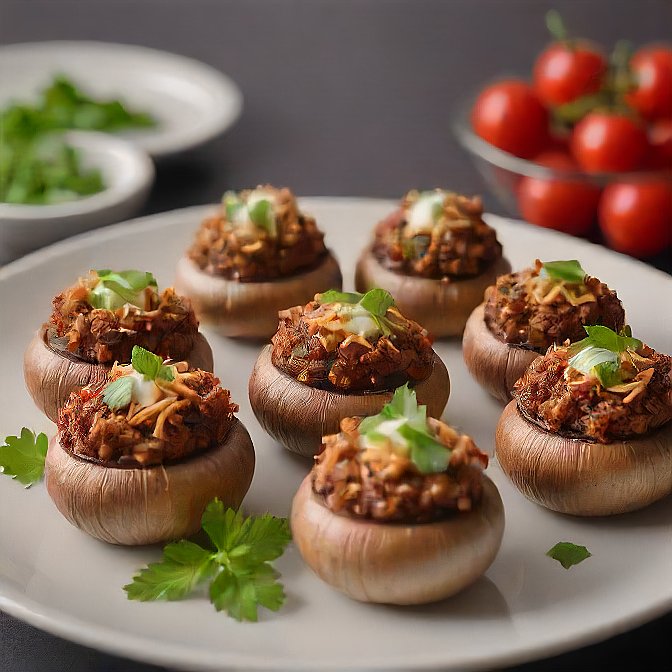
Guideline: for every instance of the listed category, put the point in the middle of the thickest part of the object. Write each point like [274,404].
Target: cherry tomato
[608,142]
[564,205]
[509,115]
[637,218]
[564,72]
[660,141]
[652,68]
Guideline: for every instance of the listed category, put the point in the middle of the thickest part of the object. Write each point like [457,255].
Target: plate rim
[218,122]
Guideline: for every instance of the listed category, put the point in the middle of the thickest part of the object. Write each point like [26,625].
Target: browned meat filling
[312,346]
[386,486]
[166,326]
[196,415]
[241,250]
[535,312]
[565,401]
[449,242]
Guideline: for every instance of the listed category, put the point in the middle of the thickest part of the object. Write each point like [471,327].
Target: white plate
[192,101]
[57,578]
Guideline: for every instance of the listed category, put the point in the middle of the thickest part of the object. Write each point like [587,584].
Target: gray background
[342,97]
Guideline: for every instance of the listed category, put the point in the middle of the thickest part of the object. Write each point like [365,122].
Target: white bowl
[128,174]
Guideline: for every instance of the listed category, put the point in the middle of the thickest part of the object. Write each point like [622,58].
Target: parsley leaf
[377,301]
[569,271]
[428,454]
[242,578]
[184,565]
[261,215]
[22,457]
[119,392]
[334,296]
[151,366]
[568,554]
[602,337]
[116,288]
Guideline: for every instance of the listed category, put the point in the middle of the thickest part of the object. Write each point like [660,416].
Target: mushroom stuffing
[526,312]
[341,354]
[436,256]
[589,431]
[259,254]
[397,509]
[99,320]
[137,459]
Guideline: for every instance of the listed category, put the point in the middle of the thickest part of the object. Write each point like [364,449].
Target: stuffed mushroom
[342,354]
[436,256]
[397,509]
[589,431]
[98,321]
[526,312]
[253,258]
[137,459]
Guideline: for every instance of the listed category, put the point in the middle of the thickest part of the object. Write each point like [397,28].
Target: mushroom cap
[440,307]
[395,563]
[298,415]
[579,477]
[134,506]
[51,375]
[495,365]
[250,309]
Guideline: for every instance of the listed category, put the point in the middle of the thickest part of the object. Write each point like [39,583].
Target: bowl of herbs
[56,182]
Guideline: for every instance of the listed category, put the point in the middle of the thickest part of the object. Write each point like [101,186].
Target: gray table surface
[342,97]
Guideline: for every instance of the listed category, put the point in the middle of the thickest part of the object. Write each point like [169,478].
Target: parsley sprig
[376,302]
[237,566]
[408,419]
[119,393]
[22,457]
[600,353]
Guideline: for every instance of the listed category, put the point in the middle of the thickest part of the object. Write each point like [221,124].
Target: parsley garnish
[119,393]
[600,353]
[568,554]
[428,454]
[376,302]
[116,288]
[151,366]
[22,457]
[238,566]
[569,271]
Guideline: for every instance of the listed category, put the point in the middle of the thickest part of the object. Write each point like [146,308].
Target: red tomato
[652,67]
[509,115]
[637,218]
[660,149]
[563,73]
[564,205]
[604,142]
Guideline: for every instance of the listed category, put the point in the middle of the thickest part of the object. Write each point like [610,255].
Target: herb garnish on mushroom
[98,321]
[136,460]
[589,431]
[341,354]
[526,312]
[397,509]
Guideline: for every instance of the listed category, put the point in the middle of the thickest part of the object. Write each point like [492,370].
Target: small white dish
[128,174]
[192,102]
